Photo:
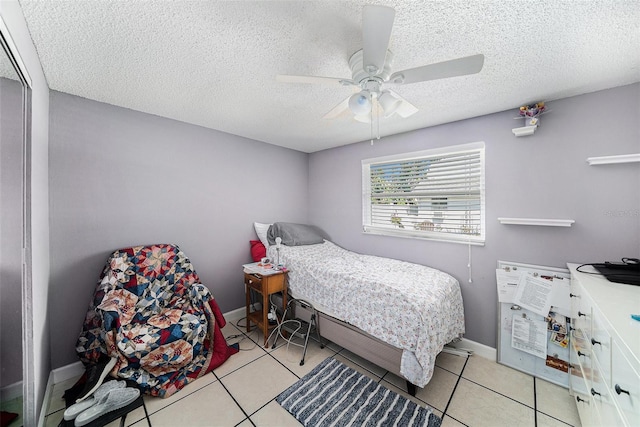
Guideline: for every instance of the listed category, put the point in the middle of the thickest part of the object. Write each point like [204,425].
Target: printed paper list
[529,336]
[534,293]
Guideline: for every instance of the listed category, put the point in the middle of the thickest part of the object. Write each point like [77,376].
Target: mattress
[410,306]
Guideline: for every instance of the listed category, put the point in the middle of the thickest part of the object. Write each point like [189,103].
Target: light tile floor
[469,391]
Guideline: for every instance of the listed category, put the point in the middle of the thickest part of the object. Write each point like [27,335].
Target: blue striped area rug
[335,395]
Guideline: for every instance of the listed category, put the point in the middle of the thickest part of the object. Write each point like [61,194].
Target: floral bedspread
[415,308]
[151,313]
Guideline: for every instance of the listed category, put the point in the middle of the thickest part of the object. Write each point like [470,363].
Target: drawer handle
[593,392]
[574,296]
[594,342]
[582,354]
[581,314]
[578,399]
[619,390]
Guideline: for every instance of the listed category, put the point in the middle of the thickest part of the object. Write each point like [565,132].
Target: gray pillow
[294,234]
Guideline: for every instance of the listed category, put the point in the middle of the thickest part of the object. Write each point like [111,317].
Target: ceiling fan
[371,72]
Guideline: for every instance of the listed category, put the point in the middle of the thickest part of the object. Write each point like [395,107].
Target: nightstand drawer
[253,281]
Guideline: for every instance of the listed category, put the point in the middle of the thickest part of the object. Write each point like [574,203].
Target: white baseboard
[11,391]
[234,315]
[44,410]
[67,372]
[477,349]
[56,376]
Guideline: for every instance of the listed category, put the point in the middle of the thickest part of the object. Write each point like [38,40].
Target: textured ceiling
[213,63]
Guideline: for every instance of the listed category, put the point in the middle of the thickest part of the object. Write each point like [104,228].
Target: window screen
[435,194]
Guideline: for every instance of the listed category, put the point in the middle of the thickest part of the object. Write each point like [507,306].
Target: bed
[396,314]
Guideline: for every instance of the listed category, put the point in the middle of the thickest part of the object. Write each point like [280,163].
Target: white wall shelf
[524,131]
[610,160]
[537,221]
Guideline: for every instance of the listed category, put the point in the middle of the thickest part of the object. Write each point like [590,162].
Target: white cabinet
[605,350]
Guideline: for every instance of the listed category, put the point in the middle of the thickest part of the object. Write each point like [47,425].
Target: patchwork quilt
[151,312]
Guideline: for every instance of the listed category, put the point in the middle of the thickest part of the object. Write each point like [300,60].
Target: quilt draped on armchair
[150,311]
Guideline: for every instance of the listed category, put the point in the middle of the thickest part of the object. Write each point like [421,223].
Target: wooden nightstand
[265,285]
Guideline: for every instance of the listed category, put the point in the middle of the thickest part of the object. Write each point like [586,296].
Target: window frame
[368,228]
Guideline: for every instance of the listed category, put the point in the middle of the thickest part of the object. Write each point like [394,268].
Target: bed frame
[357,341]
[364,345]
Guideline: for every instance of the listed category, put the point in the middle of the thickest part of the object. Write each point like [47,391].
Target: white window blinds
[436,194]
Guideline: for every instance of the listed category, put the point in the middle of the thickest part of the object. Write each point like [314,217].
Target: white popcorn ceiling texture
[213,63]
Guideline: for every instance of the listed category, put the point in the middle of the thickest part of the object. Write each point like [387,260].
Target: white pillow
[261,231]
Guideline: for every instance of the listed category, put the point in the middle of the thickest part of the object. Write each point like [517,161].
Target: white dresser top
[617,302]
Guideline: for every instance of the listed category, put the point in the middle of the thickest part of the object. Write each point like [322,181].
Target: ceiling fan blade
[313,79]
[337,110]
[441,70]
[377,23]
[406,108]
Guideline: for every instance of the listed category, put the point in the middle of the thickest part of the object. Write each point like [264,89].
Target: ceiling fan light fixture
[360,103]
[389,103]
[365,118]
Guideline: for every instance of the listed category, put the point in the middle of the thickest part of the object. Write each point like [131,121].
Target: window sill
[405,235]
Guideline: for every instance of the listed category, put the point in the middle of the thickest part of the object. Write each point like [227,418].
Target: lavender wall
[540,176]
[120,178]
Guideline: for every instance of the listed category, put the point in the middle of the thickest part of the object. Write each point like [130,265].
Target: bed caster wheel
[301,362]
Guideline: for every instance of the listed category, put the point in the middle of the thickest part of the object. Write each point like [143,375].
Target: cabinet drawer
[578,389]
[601,347]
[580,308]
[580,355]
[583,403]
[577,380]
[602,399]
[625,385]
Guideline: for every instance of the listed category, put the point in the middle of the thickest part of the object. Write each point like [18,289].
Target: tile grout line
[535,404]
[236,402]
[455,387]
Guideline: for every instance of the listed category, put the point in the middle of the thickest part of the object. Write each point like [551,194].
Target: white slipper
[74,410]
[114,399]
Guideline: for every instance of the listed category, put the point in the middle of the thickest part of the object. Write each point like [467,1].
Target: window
[434,194]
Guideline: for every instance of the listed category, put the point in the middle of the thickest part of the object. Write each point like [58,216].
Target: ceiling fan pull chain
[371,126]
[378,117]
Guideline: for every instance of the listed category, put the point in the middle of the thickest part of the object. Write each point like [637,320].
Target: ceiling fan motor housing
[365,80]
